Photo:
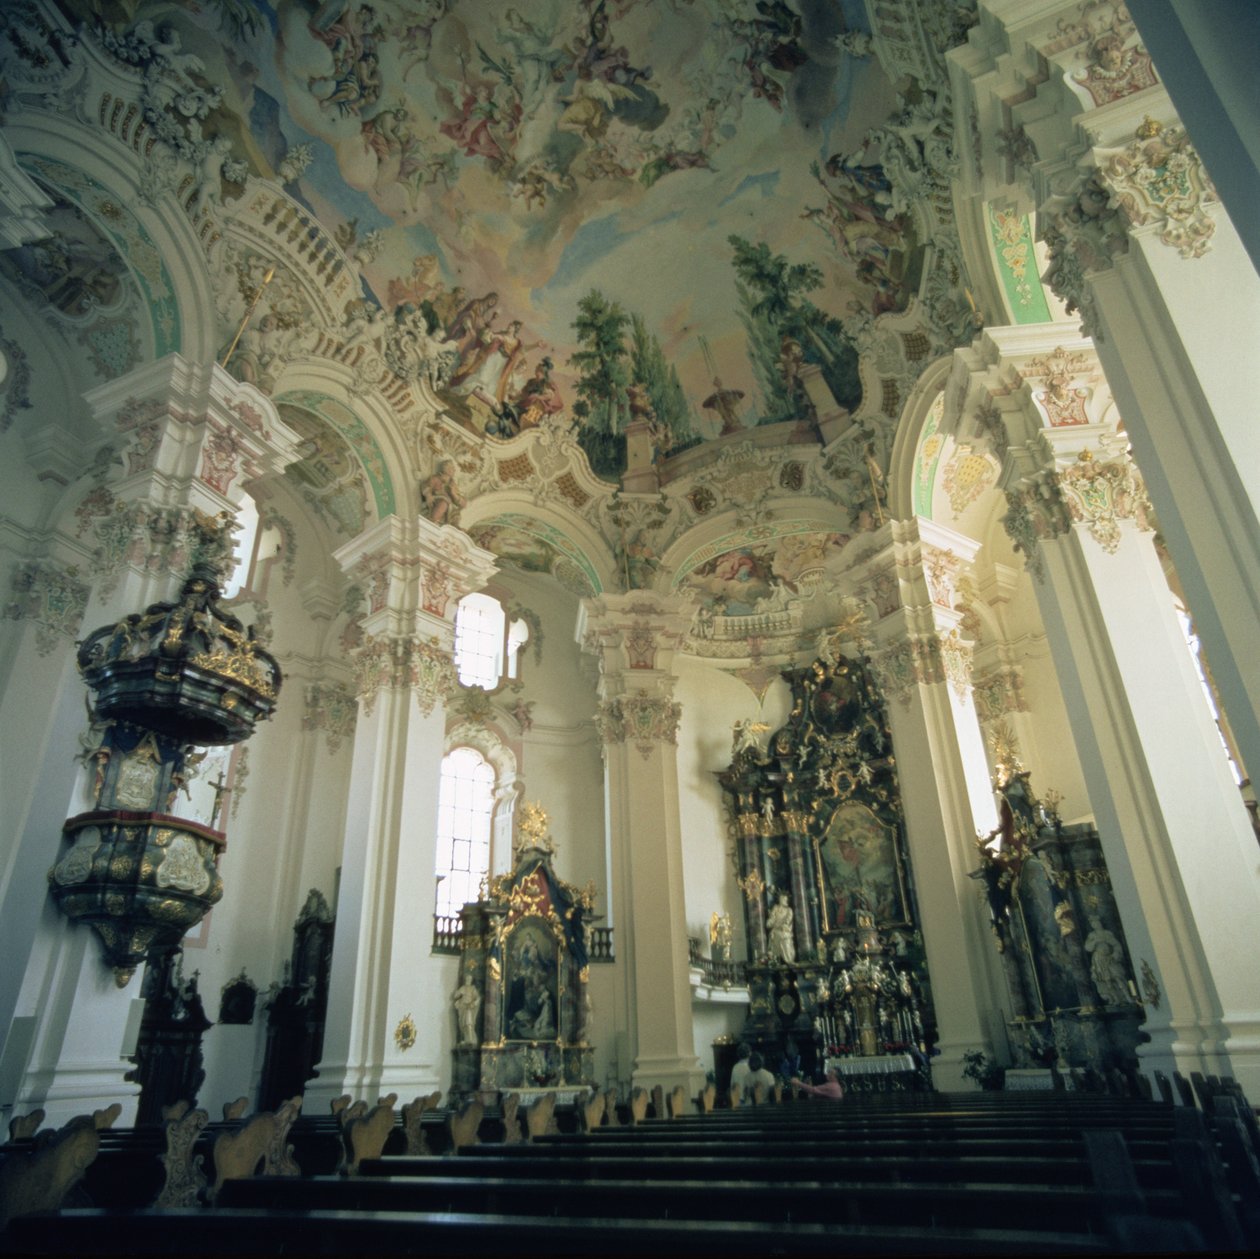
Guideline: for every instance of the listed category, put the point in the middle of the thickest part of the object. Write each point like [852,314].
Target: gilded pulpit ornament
[531,831]
[405,1033]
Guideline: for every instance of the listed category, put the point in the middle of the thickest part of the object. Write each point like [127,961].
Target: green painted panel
[357,435]
[1012,238]
[927,458]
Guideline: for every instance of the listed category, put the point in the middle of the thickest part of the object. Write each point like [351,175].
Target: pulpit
[522,1009]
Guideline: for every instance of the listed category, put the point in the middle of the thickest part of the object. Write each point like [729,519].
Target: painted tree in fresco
[607,369]
[649,368]
[602,407]
[774,292]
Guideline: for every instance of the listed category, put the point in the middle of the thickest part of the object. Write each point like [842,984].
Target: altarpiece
[522,1005]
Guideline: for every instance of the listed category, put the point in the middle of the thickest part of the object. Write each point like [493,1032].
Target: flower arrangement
[978,1066]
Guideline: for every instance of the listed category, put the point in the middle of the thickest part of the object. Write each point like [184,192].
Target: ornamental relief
[1063,399]
[906,664]
[647,721]
[333,709]
[1101,494]
[956,659]
[52,596]
[1035,512]
[1159,179]
[183,867]
[396,663]
[998,692]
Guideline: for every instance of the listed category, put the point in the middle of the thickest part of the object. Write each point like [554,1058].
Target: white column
[193,436]
[382,967]
[636,635]
[1177,840]
[1140,244]
[941,818]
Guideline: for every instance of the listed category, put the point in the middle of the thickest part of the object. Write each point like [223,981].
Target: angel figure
[748,735]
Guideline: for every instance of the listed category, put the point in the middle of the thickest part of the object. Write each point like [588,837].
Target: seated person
[757,1074]
[830,1087]
[741,1070]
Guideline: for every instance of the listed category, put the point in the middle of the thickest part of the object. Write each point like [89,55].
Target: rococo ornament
[1159,179]
[1100,494]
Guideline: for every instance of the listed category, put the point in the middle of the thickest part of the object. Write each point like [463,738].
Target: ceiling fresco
[748,578]
[534,547]
[613,209]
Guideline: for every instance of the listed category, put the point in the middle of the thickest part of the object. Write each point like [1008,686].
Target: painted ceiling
[493,164]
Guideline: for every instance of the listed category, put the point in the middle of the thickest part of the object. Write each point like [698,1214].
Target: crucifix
[220,789]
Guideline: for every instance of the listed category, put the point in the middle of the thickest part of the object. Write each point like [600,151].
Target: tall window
[1209,691]
[465,808]
[487,647]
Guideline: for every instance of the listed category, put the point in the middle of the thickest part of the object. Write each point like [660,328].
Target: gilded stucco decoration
[15,388]
[1159,179]
[1099,493]
[51,595]
[966,476]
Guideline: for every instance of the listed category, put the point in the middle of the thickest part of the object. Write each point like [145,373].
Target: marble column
[931,725]
[413,575]
[635,636]
[191,438]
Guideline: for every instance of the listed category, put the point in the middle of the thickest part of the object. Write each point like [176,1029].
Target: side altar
[522,1005]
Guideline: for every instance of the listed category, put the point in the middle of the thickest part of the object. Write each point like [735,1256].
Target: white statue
[467,1007]
[1106,966]
[748,735]
[779,924]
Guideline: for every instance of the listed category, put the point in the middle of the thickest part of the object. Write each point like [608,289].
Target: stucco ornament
[1035,511]
[645,720]
[1159,179]
[1099,494]
[422,667]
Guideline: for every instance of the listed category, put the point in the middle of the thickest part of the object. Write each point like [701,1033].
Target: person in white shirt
[757,1074]
[741,1070]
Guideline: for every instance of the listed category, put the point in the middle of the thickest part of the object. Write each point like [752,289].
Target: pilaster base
[73,1089]
[669,1073]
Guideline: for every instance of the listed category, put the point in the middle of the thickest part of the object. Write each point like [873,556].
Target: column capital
[1142,179]
[1092,488]
[646,718]
[635,635]
[193,436]
[413,573]
[396,662]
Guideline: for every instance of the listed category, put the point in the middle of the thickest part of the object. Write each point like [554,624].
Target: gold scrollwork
[752,885]
[405,1033]
[1086,878]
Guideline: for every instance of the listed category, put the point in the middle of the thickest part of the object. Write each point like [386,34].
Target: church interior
[545,546]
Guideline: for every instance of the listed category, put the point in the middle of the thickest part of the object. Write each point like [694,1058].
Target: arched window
[465,810]
[487,647]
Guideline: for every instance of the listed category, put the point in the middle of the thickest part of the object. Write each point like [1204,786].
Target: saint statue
[779,925]
[467,1007]
[1106,966]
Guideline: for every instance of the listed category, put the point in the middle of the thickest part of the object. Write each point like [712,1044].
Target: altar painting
[531,992]
[859,869]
